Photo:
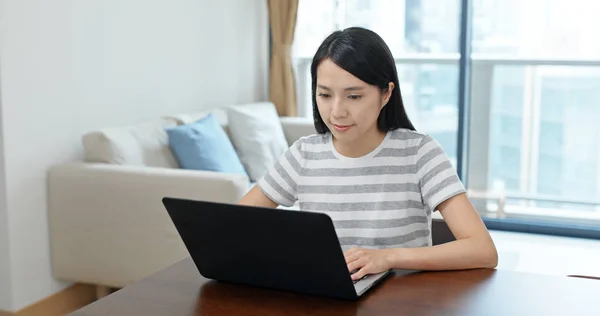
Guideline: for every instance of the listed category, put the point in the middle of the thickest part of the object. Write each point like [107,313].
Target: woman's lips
[341,128]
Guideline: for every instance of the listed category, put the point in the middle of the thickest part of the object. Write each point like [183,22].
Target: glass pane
[407,26]
[314,21]
[506,128]
[534,28]
[544,138]
[569,132]
[415,27]
[430,96]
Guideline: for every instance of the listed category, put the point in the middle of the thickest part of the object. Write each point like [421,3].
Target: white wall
[68,67]
[5,280]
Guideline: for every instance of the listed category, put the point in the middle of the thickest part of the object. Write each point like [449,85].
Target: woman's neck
[360,146]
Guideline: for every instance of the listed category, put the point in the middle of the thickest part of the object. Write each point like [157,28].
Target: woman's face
[348,106]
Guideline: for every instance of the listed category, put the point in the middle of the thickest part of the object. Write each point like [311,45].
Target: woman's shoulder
[311,143]
[314,139]
[409,138]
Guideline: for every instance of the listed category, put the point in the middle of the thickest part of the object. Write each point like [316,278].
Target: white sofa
[108,226]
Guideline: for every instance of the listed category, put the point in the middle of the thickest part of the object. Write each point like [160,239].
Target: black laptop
[287,250]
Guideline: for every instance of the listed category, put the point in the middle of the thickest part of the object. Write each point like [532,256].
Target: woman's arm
[473,247]
[255,197]
[278,186]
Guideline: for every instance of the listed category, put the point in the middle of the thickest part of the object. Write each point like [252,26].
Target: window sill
[553,255]
[545,254]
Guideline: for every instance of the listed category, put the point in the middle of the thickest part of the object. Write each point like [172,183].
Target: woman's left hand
[367,261]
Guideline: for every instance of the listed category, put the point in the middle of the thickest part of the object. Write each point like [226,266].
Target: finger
[351,255]
[361,273]
[357,264]
[350,251]
[351,258]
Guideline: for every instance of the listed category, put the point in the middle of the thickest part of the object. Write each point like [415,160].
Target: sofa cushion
[256,133]
[203,145]
[143,144]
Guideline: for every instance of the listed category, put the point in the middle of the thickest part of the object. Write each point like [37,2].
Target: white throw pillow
[257,135]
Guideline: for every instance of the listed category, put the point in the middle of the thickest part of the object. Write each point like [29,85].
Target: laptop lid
[296,251]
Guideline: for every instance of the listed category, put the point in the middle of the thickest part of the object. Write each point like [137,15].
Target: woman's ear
[387,94]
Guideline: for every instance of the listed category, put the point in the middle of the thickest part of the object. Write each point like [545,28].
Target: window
[533,145]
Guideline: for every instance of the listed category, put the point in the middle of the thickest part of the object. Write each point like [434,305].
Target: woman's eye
[354,97]
[324,95]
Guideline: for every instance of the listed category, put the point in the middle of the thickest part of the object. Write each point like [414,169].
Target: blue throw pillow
[204,145]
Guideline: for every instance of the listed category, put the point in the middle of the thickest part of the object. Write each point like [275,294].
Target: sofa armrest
[108,225]
[296,127]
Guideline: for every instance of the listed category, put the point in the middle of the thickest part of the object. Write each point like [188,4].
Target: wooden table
[179,290]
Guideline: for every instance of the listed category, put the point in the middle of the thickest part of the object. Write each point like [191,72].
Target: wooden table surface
[180,290]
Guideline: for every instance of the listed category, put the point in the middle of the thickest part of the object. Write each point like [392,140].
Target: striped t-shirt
[381,200]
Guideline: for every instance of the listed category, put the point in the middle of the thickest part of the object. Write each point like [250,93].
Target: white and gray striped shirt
[381,200]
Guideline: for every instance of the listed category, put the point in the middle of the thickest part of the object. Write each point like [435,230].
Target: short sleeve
[438,178]
[280,183]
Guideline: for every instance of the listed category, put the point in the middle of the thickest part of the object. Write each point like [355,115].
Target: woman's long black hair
[364,54]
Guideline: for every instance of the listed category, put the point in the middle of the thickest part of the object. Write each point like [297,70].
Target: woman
[371,172]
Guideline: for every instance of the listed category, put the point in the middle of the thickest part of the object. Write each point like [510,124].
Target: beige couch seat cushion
[143,144]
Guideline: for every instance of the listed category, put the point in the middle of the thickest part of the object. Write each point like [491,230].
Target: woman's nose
[338,108]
